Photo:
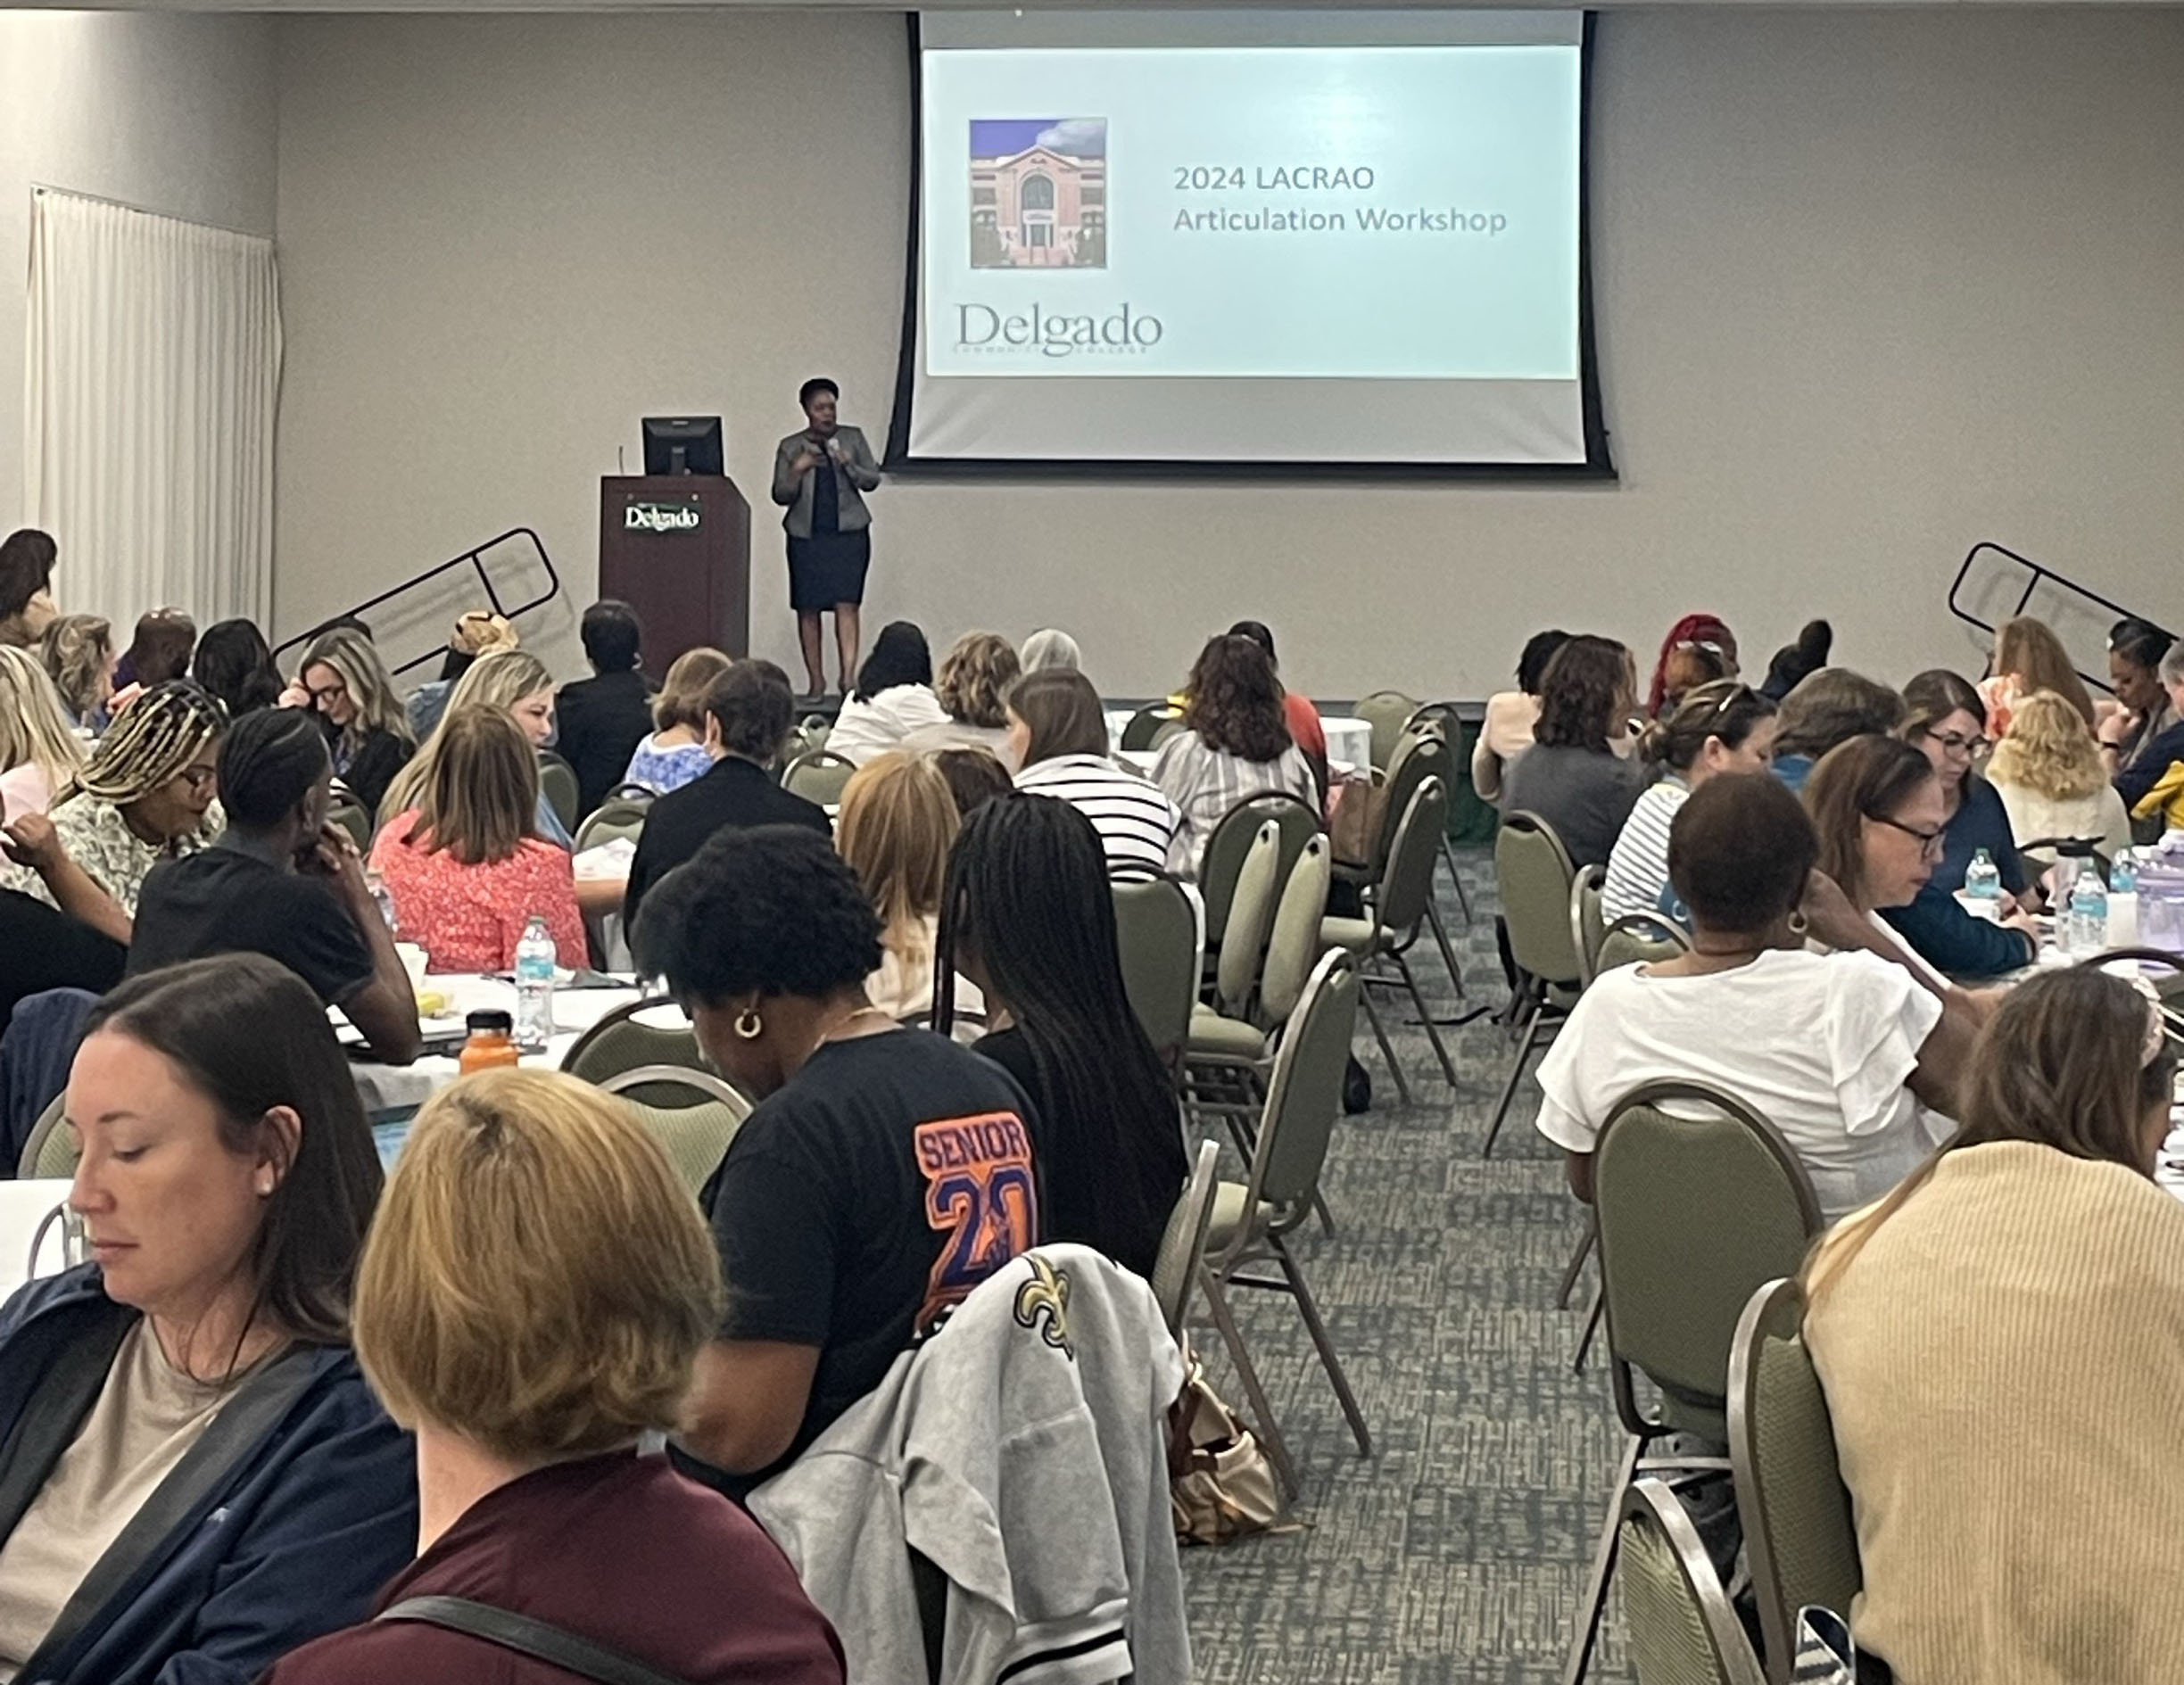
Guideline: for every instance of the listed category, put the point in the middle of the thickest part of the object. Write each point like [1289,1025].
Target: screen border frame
[1598,467]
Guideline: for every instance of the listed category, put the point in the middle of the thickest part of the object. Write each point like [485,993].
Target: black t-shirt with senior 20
[895,1173]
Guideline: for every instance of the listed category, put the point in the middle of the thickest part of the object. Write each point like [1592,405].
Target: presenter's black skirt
[828,569]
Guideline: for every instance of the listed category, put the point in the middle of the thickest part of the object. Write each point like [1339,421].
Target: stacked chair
[1681,1629]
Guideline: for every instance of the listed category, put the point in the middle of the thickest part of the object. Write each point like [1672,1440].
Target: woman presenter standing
[820,477]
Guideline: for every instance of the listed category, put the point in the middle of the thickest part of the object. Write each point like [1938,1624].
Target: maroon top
[620,1549]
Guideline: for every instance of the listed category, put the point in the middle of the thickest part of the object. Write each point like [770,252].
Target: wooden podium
[676,548]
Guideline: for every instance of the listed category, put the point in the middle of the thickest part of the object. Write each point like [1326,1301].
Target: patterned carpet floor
[1459,1551]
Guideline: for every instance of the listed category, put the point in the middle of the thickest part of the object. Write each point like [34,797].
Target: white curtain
[151,377]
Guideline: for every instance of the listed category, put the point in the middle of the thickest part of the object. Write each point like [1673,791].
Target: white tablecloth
[1349,742]
[23,1206]
[391,1089]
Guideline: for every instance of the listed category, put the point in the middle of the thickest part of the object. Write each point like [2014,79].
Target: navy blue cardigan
[1951,940]
[295,1543]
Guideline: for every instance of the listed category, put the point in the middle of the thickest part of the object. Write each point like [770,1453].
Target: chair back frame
[824,764]
[1175,1269]
[1156,922]
[1303,1103]
[1686,1409]
[1230,841]
[1293,943]
[1528,856]
[1775,1315]
[1651,1502]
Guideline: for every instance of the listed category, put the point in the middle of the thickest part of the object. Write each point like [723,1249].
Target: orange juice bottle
[491,1042]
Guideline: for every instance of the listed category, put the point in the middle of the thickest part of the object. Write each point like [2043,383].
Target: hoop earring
[1798,923]
[749,1025]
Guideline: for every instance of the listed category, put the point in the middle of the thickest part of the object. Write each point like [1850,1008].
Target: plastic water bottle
[2089,912]
[1983,889]
[535,986]
[2123,902]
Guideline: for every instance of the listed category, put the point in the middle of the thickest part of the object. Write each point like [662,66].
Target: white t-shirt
[863,730]
[1820,1045]
[1638,864]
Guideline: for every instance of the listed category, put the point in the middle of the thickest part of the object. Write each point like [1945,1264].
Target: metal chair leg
[1402,967]
[1592,1327]
[1576,1264]
[1603,1569]
[1402,1088]
[1456,878]
[1448,954]
[1262,1412]
[1317,1328]
[1509,1089]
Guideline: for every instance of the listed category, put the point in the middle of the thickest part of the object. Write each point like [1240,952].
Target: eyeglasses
[1931,842]
[1957,743]
[333,692]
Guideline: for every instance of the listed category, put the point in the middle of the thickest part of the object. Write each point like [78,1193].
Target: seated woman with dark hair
[234,664]
[1571,777]
[2002,1343]
[208,1481]
[883,1175]
[1028,916]
[1944,721]
[1722,727]
[974,677]
[974,778]
[675,753]
[1877,807]
[1512,717]
[159,653]
[1845,1052]
[535,1294]
[1236,743]
[1060,734]
[894,695]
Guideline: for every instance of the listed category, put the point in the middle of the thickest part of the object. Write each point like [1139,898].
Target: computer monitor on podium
[682,444]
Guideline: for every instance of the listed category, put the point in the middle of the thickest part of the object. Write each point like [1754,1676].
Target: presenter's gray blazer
[852,480]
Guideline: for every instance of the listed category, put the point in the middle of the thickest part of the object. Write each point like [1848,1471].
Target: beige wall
[1872,285]
[167,113]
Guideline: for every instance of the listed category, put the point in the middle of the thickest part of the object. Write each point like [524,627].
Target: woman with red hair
[1698,651]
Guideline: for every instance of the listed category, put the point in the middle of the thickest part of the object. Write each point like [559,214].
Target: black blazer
[736,792]
[381,755]
[598,724]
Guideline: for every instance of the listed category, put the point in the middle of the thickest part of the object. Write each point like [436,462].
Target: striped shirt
[1638,865]
[1136,824]
[1205,783]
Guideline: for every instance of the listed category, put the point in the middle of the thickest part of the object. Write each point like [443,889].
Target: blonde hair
[498,680]
[355,660]
[2048,750]
[682,695]
[537,1278]
[33,729]
[975,675]
[77,648]
[481,799]
[2028,652]
[897,822]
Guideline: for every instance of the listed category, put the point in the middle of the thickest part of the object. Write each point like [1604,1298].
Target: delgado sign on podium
[653,516]
[676,548]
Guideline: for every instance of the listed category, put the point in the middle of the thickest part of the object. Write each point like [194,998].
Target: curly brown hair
[1236,701]
[1584,694]
[975,675]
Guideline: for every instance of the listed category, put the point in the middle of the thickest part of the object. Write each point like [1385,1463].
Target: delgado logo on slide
[1122,333]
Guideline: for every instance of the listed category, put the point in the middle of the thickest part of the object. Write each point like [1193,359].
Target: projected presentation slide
[1238,237]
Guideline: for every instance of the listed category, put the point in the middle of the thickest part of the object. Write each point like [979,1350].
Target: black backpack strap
[538,1639]
[236,1433]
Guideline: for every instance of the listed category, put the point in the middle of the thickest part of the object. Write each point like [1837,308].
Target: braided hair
[1028,895]
[151,741]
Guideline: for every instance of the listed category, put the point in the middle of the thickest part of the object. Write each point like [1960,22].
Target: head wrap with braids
[151,741]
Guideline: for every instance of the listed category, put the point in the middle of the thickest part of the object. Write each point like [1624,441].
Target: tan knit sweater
[2005,1363]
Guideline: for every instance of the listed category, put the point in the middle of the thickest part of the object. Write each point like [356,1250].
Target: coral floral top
[471,918]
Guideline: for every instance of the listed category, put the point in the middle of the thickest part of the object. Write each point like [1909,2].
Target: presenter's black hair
[899,655]
[812,388]
[269,762]
[612,634]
